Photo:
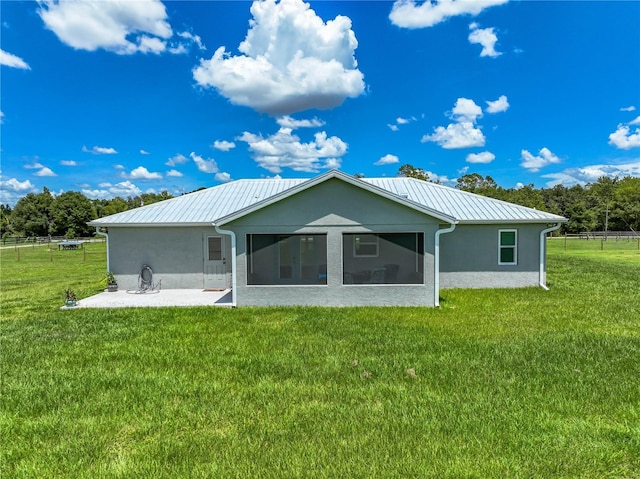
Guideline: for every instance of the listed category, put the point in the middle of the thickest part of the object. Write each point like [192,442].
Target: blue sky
[121,98]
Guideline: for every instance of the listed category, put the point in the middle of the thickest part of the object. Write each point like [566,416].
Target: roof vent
[404,194]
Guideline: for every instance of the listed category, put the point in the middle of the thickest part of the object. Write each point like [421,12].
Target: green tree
[526,196]
[5,219]
[475,183]
[31,216]
[626,205]
[410,171]
[70,213]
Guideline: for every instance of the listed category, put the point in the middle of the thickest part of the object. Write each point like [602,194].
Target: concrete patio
[162,298]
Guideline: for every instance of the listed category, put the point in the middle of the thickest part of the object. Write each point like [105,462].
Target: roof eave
[148,225]
[543,221]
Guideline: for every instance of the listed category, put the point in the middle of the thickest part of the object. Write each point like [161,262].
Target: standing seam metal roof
[207,206]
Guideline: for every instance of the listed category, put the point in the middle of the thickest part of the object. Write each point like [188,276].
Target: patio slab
[162,298]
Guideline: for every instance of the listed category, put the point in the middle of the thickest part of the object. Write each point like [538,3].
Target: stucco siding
[469,257]
[175,254]
[334,208]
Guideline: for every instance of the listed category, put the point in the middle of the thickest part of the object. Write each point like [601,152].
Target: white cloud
[15,186]
[223,145]
[484,157]
[400,121]
[442,179]
[12,190]
[623,139]
[635,122]
[387,160]
[406,14]
[485,37]
[191,38]
[289,122]
[205,166]
[466,110]
[141,173]
[9,60]
[1,118]
[118,167]
[123,27]
[628,108]
[44,171]
[591,173]
[123,189]
[34,166]
[223,177]
[174,173]
[534,163]
[291,60]
[99,150]
[177,159]
[456,135]
[144,152]
[498,106]
[68,163]
[284,150]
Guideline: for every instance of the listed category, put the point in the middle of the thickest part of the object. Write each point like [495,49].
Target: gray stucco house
[332,240]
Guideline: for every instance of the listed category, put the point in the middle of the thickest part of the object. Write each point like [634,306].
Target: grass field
[495,384]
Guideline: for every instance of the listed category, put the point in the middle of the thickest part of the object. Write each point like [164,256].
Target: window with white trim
[508,247]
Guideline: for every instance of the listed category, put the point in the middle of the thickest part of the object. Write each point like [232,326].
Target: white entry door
[215,263]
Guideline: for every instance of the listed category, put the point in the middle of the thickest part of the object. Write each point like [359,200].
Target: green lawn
[495,384]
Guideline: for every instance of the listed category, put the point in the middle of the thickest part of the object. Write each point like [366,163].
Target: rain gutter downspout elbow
[436,263]
[106,235]
[234,290]
[543,248]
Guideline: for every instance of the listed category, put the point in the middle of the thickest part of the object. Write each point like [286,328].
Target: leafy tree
[113,206]
[5,219]
[30,216]
[70,213]
[410,171]
[526,196]
[627,203]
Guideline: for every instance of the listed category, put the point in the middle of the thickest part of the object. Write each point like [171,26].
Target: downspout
[436,263]
[106,235]
[543,248]
[234,290]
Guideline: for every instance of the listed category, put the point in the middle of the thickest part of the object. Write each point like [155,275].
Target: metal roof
[236,198]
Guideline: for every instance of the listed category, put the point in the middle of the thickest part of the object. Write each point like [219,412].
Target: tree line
[611,204]
[67,214]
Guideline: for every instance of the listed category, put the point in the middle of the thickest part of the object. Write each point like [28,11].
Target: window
[383,258]
[214,244]
[286,259]
[508,247]
[365,245]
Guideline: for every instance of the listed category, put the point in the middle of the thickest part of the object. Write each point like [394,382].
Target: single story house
[332,240]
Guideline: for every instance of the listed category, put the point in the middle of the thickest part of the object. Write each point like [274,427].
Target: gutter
[436,263]
[106,235]
[234,290]
[543,248]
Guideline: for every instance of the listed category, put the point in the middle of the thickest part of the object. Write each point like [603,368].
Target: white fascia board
[148,225]
[541,221]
